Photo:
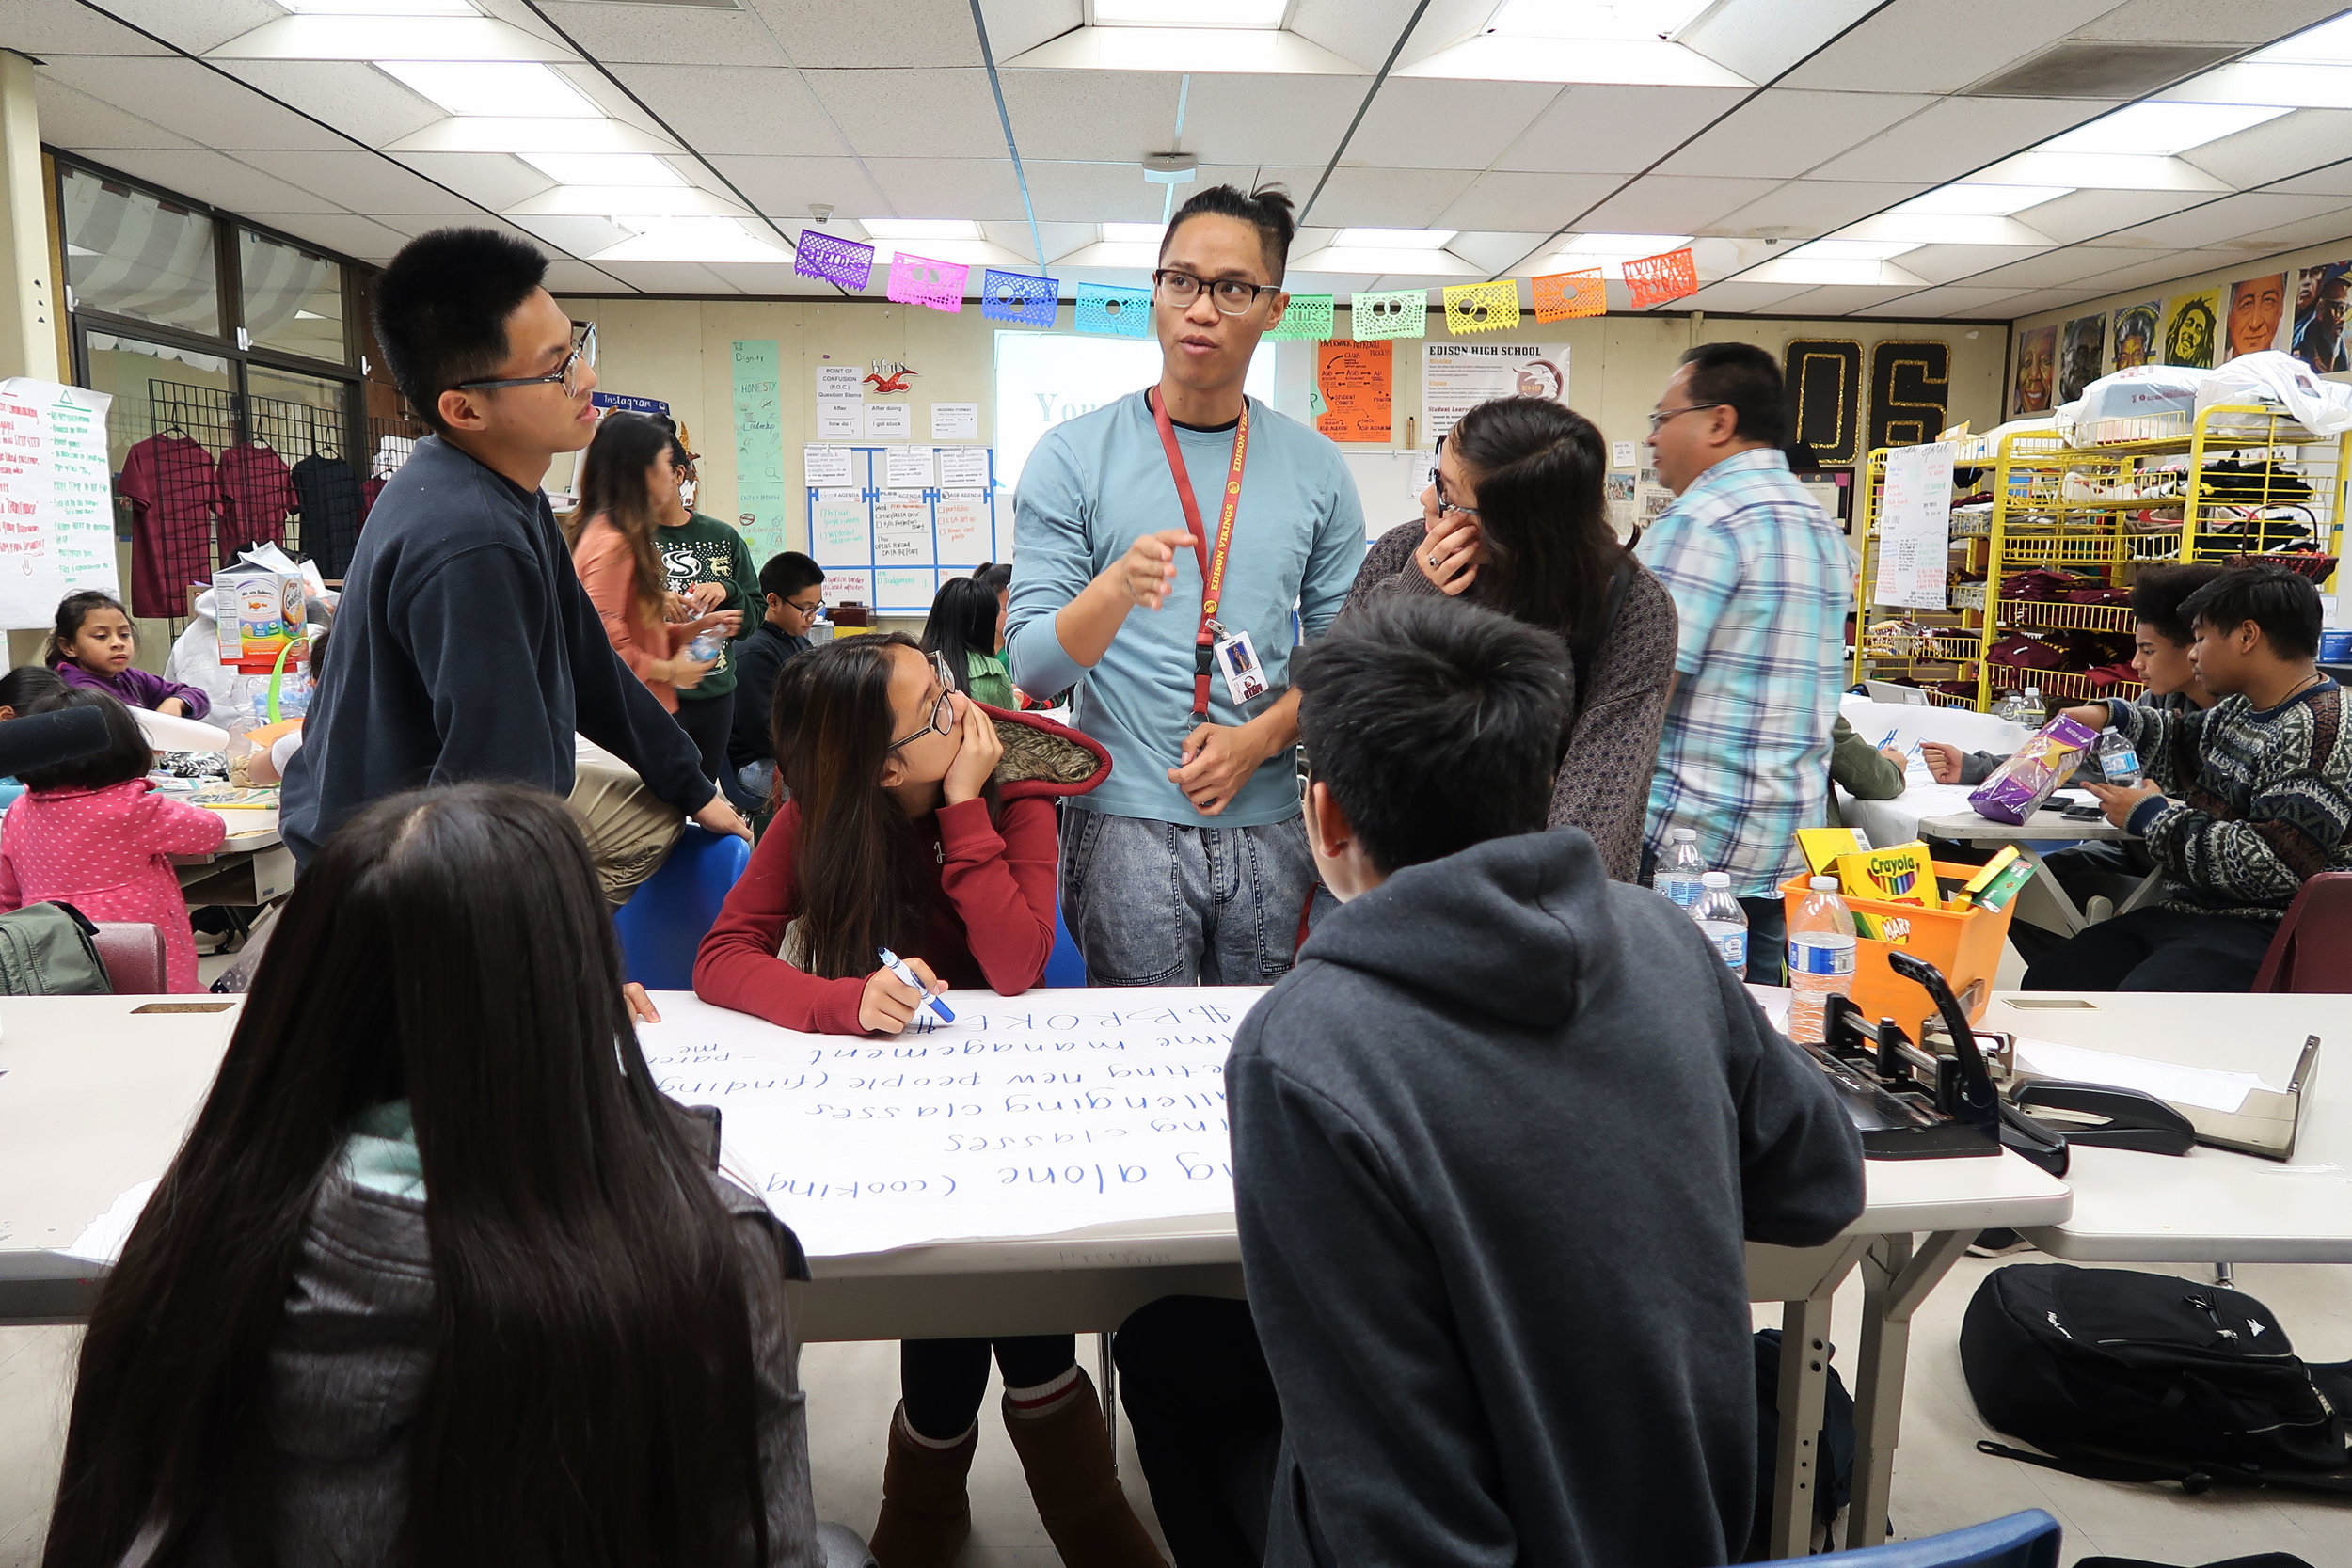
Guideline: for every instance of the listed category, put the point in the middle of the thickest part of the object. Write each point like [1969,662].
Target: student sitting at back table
[1864,772]
[966,628]
[2264,784]
[94,833]
[1466,1371]
[20,686]
[897,836]
[438,1275]
[793,587]
[92,644]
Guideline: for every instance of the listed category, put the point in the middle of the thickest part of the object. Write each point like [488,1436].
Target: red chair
[134,955]
[2311,954]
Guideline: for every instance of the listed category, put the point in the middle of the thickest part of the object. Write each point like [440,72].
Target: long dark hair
[126,756]
[963,619]
[1538,466]
[612,486]
[72,611]
[860,864]
[589,1397]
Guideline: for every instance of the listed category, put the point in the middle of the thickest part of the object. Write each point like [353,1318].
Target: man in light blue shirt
[1189,865]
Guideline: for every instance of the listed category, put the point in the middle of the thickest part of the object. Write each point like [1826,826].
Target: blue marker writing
[897,966]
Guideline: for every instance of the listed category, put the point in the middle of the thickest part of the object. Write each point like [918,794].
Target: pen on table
[897,966]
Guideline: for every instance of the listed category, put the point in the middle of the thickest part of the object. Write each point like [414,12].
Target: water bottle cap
[1684,835]
[1715,878]
[1823,884]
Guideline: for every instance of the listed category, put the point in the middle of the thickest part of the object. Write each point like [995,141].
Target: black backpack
[2130,1376]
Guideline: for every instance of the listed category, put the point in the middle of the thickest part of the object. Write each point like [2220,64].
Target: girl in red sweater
[912,825]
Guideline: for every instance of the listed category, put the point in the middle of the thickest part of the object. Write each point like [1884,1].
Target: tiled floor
[1940,1480]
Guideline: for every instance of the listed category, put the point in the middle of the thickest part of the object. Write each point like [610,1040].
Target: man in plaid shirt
[1761,582]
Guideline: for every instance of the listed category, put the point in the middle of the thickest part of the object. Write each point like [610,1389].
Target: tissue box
[2019,787]
[259,612]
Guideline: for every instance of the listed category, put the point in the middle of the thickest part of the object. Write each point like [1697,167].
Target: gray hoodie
[1498,1139]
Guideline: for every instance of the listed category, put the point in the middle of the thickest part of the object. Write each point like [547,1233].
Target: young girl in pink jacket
[93,834]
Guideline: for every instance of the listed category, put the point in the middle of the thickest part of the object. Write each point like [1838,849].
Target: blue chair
[1064,966]
[666,918]
[2028,1539]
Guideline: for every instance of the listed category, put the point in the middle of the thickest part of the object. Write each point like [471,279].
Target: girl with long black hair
[439,1276]
[1514,522]
[915,821]
[966,628]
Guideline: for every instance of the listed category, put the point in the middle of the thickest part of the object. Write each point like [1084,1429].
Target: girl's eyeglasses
[943,712]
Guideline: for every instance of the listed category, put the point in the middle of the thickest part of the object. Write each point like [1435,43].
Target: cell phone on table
[2084,811]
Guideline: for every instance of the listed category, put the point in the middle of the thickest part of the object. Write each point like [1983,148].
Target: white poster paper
[963,467]
[955,422]
[965,533]
[908,469]
[889,421]
[849,587]
[1915,527]
[905,590]
[1026,1116]
[1624,454]
[1456,377]
[839,421]
[902,530]
[838,381]
[821,465]
[57,498]
[836,527]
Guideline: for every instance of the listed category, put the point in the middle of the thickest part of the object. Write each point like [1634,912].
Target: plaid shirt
[1761,581]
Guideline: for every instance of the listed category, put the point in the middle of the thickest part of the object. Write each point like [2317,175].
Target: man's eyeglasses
[943,712]
[1233,296]
[1657,421]
[583,357]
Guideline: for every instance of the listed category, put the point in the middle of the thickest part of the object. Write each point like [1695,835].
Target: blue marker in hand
[897,966]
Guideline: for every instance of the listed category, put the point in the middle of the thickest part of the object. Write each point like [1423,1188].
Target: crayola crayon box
[1900,874]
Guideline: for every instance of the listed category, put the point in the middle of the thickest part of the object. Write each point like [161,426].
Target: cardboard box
[259,613]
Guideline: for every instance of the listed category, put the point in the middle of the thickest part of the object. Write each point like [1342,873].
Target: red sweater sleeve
[737,966]
[1001,880]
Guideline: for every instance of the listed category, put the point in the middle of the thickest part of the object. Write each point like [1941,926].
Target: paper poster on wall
[955,422]
[889,421]
[963,467]
[1625,454]
[2137,329]
[964,525]
[2037,365]
[836,382]
[902,530]
[904,588]
[838,420]
[2255,319]
[1358,385]
[56,499]
[2192,324]
[1914,527]
[2321,295]
[759,488]
[850,587]
[837,526]
[2082,350]
[909,536]
[1456,377]
[908,469]
[823,464]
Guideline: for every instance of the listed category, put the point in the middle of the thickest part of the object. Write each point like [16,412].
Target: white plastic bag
[2115,408]
[2275,380]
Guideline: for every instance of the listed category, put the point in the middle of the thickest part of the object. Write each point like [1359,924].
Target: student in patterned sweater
[2243,801]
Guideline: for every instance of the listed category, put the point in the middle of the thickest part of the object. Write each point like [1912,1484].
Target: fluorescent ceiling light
[2296,85]
[1618,62]
[921,229]
[1855,250]
[1394,239]
[378,7]
[1918,229]
[692,240]
[2160,130]
[1831,270]
[621,202]
[604,168]
[1133,233]
[1997,202]
[2098,171]
[1189,13]
[1593,19]
[518,133]
[1588,250]
[308,316]
[2329,43]
[1385,261]
[488,87]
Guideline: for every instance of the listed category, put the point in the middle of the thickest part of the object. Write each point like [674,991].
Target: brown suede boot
[926,1515]
[1067,1456]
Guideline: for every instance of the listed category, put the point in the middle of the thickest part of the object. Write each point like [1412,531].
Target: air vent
[2091,68]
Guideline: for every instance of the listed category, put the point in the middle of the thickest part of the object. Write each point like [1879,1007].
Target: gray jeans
[1161,904]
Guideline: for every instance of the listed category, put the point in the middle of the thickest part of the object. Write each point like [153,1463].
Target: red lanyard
[1211,562]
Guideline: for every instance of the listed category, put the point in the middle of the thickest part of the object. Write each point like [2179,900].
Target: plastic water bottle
[2035,712]
[2119,763]
[1678,876]
[1724,921]
[707,647]
[1821,953]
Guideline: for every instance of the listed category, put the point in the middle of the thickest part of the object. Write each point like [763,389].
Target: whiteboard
[1029,1115]
[890,547]
[56,499]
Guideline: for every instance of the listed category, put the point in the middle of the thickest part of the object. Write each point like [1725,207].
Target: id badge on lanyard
[1213,647]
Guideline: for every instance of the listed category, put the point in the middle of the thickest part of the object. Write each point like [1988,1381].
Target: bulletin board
[892,547]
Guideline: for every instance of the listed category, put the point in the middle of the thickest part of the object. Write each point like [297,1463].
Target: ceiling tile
[672,277]
[1365,30]
[1741,297]
[1670,204]
[360,238]
[81,123]
[1417,123]
[1780,134]
[574,236]
[1086,116]
[1950,300]
[45,27]
[1957,135]
[1389,197]
[2201,21]
[768,278]
[1614,130]
[1807,208]
[363,182]
[195,26]
[1093,192]
[180,95]
[1762,40]
[2048,299]
[739,110]
[954,188]
[1932,46]
[1837,300]
[2319,229]
[2071,264]
[2219,223]
[2090,215]
[567,277]
[1500,251]
[906,113]
[2289,145]
[784,187]
[1949,263]
[493,178]
[2335,180]
[683,35]
[2148,272]
[350,95]
[1270,119]
[902,33]
[1017,26]
[221,181]
[1514,201]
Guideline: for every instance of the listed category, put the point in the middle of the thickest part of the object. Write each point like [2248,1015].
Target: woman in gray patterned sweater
[1516,522]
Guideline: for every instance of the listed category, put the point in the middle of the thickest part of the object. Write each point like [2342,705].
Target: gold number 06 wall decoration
[1911,382]
[1906,395]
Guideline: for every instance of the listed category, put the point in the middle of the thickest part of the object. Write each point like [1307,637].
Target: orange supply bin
[1966,945]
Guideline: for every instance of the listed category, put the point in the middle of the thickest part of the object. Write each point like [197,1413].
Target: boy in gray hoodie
[1498,1140]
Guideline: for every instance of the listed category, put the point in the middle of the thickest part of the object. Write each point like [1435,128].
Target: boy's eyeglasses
[584,356]
[809,611]
[1233,296]
[943,712]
